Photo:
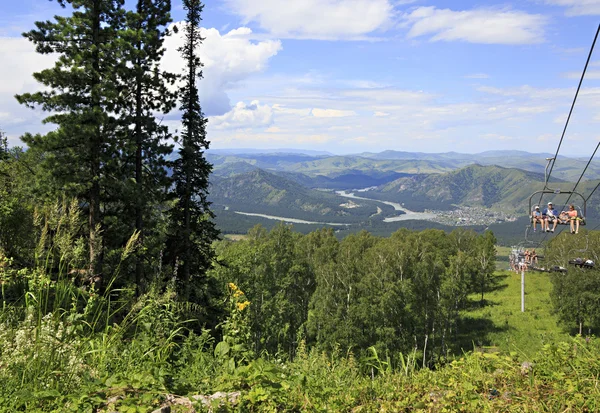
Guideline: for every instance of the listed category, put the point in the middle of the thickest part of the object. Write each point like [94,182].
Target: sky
[351,76]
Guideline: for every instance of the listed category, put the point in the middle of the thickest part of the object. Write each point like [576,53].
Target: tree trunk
[95,149]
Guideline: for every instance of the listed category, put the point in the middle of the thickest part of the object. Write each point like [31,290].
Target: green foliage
[17,237]
[576,294]
[391,295]
[278,282]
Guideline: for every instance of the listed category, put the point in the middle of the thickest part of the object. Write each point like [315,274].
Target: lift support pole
[522,290]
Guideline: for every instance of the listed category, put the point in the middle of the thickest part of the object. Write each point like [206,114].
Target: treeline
[576,293]
[106,95]
[399,294]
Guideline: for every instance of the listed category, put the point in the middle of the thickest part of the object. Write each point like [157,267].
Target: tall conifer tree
[192,228]
[81,94]
[145,139]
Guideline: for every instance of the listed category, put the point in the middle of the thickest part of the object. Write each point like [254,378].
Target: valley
[385,191]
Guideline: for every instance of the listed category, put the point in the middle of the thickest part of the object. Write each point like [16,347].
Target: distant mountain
[566,168]
[341,164]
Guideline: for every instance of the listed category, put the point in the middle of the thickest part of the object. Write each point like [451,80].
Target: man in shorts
[550,215]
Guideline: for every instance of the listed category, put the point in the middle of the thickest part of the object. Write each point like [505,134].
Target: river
[292,220]
[408,214]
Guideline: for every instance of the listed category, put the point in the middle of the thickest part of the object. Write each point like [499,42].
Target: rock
[164,409]
[526,367]
[231,398]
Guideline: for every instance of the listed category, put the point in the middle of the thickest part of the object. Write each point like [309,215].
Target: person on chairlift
[550,216]
[536,216]
[573,219]
[533,257]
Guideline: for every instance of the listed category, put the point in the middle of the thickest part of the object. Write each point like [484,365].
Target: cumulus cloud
[578,7]
[316,19]
[228,59]
[487,26]
[19,61]
[244,116]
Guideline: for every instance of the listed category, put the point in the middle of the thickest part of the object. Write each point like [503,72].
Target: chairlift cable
[571,110]
[567,123]
[581,176]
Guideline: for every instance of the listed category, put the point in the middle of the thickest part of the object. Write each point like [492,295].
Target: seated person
[563,218]
[536,216]
[550,216]
[522,266]
[533,258]
[573,219]
[527,256]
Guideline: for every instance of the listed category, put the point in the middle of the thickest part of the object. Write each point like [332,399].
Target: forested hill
[259,191]
[474,185]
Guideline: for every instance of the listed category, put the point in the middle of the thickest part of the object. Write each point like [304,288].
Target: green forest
[120,295]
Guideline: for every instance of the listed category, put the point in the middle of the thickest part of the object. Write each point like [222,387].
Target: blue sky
[349,76]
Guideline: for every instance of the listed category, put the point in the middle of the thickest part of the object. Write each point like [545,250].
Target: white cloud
[578,7]
[380,114]
[278,108]
[244,116]
[331,113]
[316,19]
[19,62]
[486,26]
[228,59]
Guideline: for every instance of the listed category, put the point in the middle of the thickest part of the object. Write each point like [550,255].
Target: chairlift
[581,209]
[582,263]
[554,268]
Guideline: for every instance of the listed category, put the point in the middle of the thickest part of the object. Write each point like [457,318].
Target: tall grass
[60,336]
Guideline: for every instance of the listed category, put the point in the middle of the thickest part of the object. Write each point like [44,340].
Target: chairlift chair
[581,210]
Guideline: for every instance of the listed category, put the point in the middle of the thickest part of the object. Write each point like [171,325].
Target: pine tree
[145,146]
[82,96]
[192,229]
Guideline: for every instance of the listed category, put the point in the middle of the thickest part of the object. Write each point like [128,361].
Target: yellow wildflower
[238,293]
[232,286]
[243,305]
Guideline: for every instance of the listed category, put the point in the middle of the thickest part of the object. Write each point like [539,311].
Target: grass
[503,325]
[235,237]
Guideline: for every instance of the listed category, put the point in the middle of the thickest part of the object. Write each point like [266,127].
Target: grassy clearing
[235,237]
[504,325]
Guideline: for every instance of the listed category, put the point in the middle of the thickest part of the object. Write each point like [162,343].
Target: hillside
[259,191]
[474,185]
